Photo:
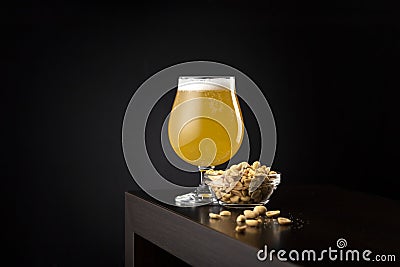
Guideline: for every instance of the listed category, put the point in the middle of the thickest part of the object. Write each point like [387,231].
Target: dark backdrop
[329,72]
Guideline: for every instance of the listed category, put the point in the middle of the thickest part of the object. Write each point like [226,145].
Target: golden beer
[205,126]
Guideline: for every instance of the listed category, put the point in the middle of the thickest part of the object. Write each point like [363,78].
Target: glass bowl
[238,194]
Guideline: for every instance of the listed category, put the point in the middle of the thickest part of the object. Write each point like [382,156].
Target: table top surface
[321,214]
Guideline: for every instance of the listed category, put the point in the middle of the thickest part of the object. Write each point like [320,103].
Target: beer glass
[205,127]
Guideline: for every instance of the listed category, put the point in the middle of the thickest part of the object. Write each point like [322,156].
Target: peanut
[241,218]
[214,216]
[238,186]
[227,195]
[225,213]
[256,164]
[245,199]
[240,228]
[284,221]
[236,193]
[235,199]
[260,209]
[273,213]
[249,214]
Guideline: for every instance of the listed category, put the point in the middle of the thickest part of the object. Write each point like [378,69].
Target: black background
[328,71]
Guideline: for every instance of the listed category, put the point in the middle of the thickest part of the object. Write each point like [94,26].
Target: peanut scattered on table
[240,228]
[251,218]
[241,218]
[225,213]
[260,209]
[273,213]
[284,221]
[214,216]
[249,214]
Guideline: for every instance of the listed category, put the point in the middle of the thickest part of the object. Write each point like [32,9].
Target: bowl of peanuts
[243,184]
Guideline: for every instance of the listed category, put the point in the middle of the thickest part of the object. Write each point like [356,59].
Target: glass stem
[202,170]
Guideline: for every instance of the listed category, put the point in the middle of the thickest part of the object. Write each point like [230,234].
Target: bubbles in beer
[206,126]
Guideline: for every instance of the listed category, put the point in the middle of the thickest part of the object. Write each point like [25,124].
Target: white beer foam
[205,83]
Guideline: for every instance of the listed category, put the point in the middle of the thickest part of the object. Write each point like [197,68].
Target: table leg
[129,242]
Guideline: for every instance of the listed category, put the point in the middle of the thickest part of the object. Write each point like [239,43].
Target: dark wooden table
[321,215]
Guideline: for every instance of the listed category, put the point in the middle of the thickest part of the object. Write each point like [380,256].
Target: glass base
[242,206]
[201,196]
